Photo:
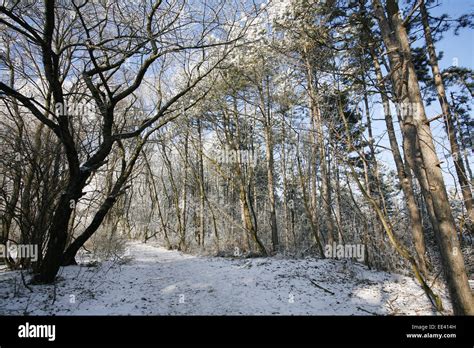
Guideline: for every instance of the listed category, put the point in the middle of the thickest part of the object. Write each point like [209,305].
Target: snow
[151,280]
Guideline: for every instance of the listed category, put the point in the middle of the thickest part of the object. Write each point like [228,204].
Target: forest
[326,139]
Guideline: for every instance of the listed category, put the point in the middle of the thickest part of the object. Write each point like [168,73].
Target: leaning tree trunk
[448,119]
[417,127]
[69,255]
[403,172]
[58,231]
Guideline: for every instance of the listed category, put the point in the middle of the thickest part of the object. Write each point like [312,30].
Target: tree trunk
[448,119]
[201,186]
[404,174]
[58,231]
[270,171]
[319,134]
[416,127]
[314,227]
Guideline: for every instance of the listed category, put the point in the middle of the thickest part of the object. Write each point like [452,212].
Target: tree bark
[270,165]
[416,127]
[448,119]
[317,123]
[404,173]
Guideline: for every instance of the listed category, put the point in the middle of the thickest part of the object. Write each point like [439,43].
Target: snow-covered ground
[156,281]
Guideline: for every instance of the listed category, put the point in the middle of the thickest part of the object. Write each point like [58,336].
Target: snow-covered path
[160,282]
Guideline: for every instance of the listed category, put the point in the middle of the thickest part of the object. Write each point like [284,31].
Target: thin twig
[320,287]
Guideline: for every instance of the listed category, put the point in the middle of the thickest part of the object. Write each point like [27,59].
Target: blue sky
[461,46]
